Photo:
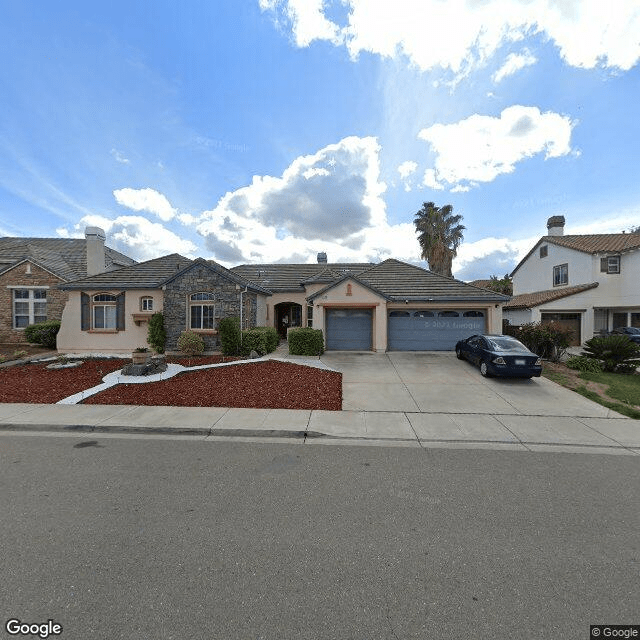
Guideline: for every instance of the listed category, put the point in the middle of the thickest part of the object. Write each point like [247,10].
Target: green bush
[305,342]
[614,353]
[43,333]
[260,339]
[156,334]
[229,331]
[547,340]
[190,343]
[582,363]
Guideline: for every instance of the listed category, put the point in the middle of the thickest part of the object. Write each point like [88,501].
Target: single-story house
[392,305]
[586,283]
[32,268]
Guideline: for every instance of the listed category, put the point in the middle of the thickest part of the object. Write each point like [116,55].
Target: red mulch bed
[263,385]
[268,385]
[36,383]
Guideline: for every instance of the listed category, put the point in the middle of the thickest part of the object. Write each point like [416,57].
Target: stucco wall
[19,276]
[71,338]
[277,298]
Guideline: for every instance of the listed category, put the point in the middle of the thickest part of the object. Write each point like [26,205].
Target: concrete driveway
[437,382]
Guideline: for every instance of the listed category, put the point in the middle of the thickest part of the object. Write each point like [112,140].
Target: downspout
[241,307]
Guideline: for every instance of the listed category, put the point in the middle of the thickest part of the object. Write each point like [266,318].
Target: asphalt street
[141,538]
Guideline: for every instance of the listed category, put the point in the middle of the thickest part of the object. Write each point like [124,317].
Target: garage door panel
[415,330]
[349,329]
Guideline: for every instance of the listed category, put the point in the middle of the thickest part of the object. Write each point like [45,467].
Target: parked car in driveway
[633,333]
[499,355]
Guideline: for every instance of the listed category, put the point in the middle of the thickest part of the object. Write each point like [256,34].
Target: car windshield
[506,344]
[633,330]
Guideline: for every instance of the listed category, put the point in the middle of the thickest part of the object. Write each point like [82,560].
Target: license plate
[521,361]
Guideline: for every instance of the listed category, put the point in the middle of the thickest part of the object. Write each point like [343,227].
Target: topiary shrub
[305,342]
[260,339]
[615,353]
[582,363]
[156,333]
[229,331]
[43,333]
[190,343]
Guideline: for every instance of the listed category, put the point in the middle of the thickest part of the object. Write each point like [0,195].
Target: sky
[270,130]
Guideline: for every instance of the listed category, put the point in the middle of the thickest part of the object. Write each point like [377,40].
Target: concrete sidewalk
[510,432]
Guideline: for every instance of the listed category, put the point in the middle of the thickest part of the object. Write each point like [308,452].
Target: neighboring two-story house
[588,283]
[32,268]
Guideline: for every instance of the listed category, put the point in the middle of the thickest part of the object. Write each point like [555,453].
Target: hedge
[304,341]
[43,333]
[229,331]
[262,340]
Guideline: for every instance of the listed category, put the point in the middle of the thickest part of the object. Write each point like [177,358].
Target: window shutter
[604,265]
[120,311]
[85,312]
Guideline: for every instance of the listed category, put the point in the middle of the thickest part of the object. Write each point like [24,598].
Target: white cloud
[407,168]
[458,35]
[480,148]
[145,200]
[490,256]
[135,236]
[513,64]
[119,157]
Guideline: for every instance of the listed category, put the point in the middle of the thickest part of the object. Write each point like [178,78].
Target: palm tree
[439,234]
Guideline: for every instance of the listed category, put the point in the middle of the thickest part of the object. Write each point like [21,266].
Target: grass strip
[624,409]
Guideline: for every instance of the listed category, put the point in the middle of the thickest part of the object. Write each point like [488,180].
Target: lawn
[616,391]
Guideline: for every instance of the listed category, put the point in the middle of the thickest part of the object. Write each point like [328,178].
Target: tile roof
[152,274]
[529,300]
[400,281]
[65,257]
[290,277]
[595,243]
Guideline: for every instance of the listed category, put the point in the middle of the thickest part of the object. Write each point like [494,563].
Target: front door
[288,314]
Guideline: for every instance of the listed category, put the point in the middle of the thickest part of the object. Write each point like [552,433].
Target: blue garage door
[349,329]
[422,330]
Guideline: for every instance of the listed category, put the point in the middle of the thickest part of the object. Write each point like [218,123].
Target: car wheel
[484,370]
[459,354]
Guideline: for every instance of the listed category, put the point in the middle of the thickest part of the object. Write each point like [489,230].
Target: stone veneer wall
[38,277]
[200,279]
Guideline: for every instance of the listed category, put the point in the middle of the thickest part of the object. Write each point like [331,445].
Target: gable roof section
[345,277]
[399,281]
[535,299]
[292,277]
[595,243]
[64,257]
[153,274]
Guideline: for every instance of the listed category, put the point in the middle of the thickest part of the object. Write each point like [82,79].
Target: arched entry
[287,314]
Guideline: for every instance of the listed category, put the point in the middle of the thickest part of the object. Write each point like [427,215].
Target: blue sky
[270,130]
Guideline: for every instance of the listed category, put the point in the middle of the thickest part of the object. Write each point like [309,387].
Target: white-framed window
[146,303]
[310,315]
[560,275]
[202,311]
[29,307]
[544,251]
[610,264]
[104,311]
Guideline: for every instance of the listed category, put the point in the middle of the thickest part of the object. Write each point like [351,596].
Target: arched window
[473,314]
[104,311]
[423,314]
[448,314]
[146,303]
[399,314]
[202,311]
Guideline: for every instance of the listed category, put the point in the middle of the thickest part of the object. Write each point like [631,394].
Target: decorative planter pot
[140,357]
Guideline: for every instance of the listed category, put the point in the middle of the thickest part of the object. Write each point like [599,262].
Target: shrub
[229,331]
[615,353]
[582,363]
[190,343]
[547,340]
[156,334]
[43,333]
[260,339]
[306,342]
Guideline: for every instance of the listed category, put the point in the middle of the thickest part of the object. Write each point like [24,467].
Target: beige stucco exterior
[71,339]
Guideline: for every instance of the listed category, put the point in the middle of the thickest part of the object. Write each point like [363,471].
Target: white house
[589,283]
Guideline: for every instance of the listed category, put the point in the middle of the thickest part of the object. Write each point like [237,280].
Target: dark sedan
[633,333]
[500,356]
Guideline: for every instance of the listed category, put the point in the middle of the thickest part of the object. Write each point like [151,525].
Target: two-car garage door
[432,330]
[408,329]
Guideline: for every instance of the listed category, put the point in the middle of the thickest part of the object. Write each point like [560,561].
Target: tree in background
[501,285]
[439,234]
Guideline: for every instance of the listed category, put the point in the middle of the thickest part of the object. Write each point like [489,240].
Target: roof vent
[555,226]
[322,258]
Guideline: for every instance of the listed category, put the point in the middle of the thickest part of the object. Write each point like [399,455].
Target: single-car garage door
[427,330]
[349,329]
[569,321]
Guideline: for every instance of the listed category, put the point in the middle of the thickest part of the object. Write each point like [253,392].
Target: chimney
[322,258]
[95,238]
[555,226]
